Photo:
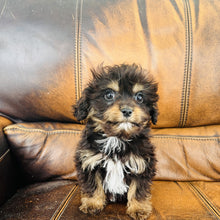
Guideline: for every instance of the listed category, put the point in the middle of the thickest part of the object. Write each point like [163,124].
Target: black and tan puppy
[115,159]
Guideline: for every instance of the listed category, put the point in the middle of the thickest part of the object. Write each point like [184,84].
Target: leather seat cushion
[61,200]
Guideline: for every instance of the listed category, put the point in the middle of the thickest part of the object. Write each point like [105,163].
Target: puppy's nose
[126,112]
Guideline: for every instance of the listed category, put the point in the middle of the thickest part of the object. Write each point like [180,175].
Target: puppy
[115,159]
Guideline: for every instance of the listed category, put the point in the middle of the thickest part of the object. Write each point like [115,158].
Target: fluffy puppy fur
[115,159]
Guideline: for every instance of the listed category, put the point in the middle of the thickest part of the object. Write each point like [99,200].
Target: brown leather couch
[47,48]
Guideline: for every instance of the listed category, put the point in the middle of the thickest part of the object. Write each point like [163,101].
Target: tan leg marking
[138,210]
[90,159]
[136,164]
[95,204]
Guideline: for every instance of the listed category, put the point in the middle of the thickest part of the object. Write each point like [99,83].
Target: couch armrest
[8,172]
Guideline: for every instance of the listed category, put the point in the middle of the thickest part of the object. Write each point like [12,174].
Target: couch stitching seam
[80,48]
[45,132]
[189,63]
[187,66]
[205,200]
[217,138]
[75,50]
[58,213]
[77,67]
[4,155]
[187,138]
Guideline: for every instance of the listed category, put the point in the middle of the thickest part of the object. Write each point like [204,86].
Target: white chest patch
[111,145]
[114,179]
[115,170]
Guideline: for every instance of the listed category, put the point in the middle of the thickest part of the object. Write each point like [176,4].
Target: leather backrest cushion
[36,58]
[44,150]
[45,63]
[177,41]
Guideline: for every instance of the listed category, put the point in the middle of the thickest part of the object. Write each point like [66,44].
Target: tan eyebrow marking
[137,88]
[114,86]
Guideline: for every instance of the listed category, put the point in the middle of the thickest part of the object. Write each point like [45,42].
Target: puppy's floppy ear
[82,107]
[154,113]
[154,97]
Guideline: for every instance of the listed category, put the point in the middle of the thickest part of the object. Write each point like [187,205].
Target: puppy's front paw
[139,214]
[139,210]
[92,209]
[92,205]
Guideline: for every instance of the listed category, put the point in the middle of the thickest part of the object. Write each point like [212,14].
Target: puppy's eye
[109,95]
[139,97]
